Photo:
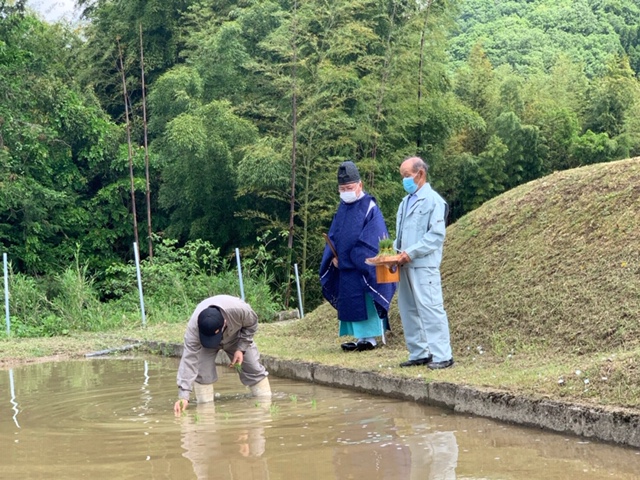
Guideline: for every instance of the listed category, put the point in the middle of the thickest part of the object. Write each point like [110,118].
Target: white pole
[295,266]
[6,293]
[240,273]
[137,255]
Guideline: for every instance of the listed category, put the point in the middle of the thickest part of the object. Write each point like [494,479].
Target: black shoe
[440,365]
[349,346]
[418,361]
[364,345]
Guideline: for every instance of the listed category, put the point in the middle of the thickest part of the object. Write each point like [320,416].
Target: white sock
[368,339]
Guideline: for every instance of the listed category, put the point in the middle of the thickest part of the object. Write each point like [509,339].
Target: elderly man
[348,283]
[219,323]
[420,233]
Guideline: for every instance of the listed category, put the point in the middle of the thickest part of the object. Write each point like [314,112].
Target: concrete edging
[609,425]
[615,425]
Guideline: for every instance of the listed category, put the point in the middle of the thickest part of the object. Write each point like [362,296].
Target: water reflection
[14,404]
[146,396]
[113,419]
[404,453]
[241,458]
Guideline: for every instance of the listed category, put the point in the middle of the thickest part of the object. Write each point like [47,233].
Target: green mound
[552,264]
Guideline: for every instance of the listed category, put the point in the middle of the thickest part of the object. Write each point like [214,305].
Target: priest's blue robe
[355,232]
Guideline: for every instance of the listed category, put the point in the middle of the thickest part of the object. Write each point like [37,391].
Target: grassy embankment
[542,288]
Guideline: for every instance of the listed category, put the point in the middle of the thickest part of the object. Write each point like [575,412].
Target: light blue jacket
[420,231]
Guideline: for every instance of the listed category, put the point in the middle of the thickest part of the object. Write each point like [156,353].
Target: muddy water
[113,419]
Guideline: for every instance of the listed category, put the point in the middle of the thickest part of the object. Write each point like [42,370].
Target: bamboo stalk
[420,67]
[146,149]
[381,92]
[126,111]
[294,146]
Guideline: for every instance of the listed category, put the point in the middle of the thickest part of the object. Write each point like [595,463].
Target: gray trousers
[424,320]
[251,373]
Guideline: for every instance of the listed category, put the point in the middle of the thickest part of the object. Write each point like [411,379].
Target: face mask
[348,197]
[409,185]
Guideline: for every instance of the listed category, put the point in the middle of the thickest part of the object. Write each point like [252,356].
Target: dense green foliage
[530,36]
[59,162]
[252,104]
[176,280]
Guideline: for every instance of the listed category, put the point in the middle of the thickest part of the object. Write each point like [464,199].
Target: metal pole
[295,266]
[240,273]
[6,293]
[137,255]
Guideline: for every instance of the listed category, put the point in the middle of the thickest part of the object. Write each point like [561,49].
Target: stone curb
[618,426]
[610,425]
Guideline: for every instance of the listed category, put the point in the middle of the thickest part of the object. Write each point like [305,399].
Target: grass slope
[552,264]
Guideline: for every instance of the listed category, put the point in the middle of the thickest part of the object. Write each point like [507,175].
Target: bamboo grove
[224,121]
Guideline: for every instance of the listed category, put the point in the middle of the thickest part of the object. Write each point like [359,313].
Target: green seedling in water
[314,403]
[196,418]
[294,398]
[226,415]
[274,409]
[183,410]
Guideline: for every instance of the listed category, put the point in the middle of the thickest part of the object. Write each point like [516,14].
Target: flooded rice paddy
[113,418]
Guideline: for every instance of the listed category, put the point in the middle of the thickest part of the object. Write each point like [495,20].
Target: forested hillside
[251,105]
[531,35]
[554,85]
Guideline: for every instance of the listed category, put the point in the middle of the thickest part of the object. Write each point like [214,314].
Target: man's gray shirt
[242,324]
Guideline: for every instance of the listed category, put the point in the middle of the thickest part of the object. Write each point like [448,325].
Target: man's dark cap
[210,323]
[348,173]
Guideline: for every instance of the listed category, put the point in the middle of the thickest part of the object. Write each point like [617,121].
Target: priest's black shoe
[349,346]
[417,361]
[440,365]
[364,345]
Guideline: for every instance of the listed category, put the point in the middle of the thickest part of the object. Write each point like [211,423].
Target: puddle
[113,418]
